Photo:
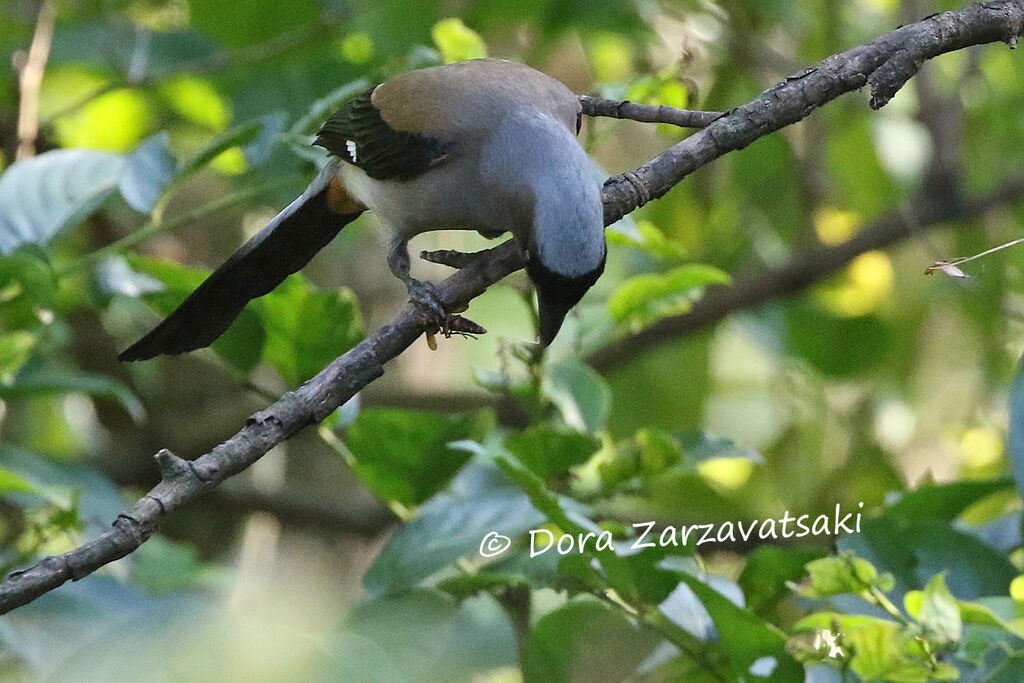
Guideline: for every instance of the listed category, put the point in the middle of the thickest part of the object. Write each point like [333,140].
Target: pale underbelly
[431,202]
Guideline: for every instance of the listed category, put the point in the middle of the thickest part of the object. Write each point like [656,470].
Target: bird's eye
[579,121]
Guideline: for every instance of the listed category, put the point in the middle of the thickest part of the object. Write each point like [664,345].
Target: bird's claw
[426,297]
[435,318]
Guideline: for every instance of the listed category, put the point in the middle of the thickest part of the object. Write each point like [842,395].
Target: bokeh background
[860,386]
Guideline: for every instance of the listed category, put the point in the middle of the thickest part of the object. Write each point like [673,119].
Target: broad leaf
[47,194]
[307,328]
[551,451]
[452,524]
[407,456]
[644,299]
[147,172]
[581,395]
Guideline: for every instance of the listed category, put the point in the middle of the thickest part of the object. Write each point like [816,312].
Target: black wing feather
[381,151]
[259,265]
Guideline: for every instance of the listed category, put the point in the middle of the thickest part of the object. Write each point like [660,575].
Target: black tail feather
[261,264]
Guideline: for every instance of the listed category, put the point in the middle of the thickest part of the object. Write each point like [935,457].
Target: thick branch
[786,103]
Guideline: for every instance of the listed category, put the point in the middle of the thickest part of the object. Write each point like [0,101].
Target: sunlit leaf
[457,41]
[115,276]
[195,98]
[15,350]
[937,610]
[644,299]
[9,481]
[839,574]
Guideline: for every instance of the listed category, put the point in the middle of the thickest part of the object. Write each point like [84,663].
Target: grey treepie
[487,145]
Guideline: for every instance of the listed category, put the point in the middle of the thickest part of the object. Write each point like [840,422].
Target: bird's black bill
[551,315]
[556,295]
[260,265]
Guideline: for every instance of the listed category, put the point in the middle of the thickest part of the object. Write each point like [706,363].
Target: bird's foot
[426,297]
[435,318]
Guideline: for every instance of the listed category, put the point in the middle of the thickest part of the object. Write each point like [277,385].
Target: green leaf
[306,329]
[452,524]
[581,395]
[570,516]
[838,574]
[939,613]
[9,481]
[585,640]
[880,650]
[945,501]
[836,346]
[768,572]
[644,299]
[15,350]
[914,551]
[147,172]
[46,383]
[462,586]
[241,345]
[238,136]
[43,196]
[406,455]
[29,271]
[549,450]
[456,41]
[745,637]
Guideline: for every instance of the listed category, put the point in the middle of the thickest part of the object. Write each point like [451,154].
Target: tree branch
[808,268]
[646,113]
[886,63]
[30,80]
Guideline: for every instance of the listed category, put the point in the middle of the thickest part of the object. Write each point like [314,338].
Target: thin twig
[31,80]
[647,113]
[954,263]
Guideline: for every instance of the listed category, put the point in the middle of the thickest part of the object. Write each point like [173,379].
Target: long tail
[284,246]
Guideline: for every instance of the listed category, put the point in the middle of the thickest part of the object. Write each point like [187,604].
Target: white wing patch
[350,145]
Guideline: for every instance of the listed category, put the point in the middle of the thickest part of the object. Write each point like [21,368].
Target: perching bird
[487,145]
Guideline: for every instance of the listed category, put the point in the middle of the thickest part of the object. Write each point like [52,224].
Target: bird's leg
[423,294]
[426,296]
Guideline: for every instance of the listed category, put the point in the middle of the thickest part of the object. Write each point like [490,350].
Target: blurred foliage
[173,129]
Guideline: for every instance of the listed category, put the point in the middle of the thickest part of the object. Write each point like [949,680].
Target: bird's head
[557,294]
